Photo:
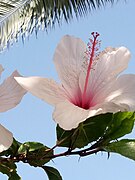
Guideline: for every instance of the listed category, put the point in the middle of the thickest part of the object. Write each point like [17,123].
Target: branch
[26,159]
[81,153]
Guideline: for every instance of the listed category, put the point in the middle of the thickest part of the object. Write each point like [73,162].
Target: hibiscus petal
[69,58]
[110,63]
[11,93]
[6,138]
[109,66]
[68,116]
[123,91]
[45,89]
[110,107]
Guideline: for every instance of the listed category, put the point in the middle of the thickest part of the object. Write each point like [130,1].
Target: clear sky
[32,120]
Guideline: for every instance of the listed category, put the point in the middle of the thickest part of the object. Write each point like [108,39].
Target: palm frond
[21,17]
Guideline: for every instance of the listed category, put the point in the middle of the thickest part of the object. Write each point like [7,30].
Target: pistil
[91,54]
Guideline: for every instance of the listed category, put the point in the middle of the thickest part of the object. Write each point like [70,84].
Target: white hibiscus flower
[11,94]
[90,84]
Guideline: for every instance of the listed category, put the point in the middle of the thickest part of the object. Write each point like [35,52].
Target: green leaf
[122,123]
[125,147]
[36,153]
[9,168]
[88,131]
[64,137]
[23,149]
[52,173]
[40,156]
[29,146]
[33,146]
[14,176]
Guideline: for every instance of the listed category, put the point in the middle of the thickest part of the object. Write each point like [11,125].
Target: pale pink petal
[109,66]
[45,89]
[6,138]
[11,93]
[110,107]
[69,58]
[111,62]
[68,116]
[107,107]
[123,91]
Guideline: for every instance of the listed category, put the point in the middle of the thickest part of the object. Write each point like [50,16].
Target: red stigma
[95,34]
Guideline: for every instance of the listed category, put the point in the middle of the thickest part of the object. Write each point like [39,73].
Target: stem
[17,158]
[85,152]
[80,153]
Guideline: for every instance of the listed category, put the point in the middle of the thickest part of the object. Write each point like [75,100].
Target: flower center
[91,52]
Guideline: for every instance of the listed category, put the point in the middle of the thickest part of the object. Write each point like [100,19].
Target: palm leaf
[21,17]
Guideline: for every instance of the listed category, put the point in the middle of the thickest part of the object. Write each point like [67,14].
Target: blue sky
[32,120]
